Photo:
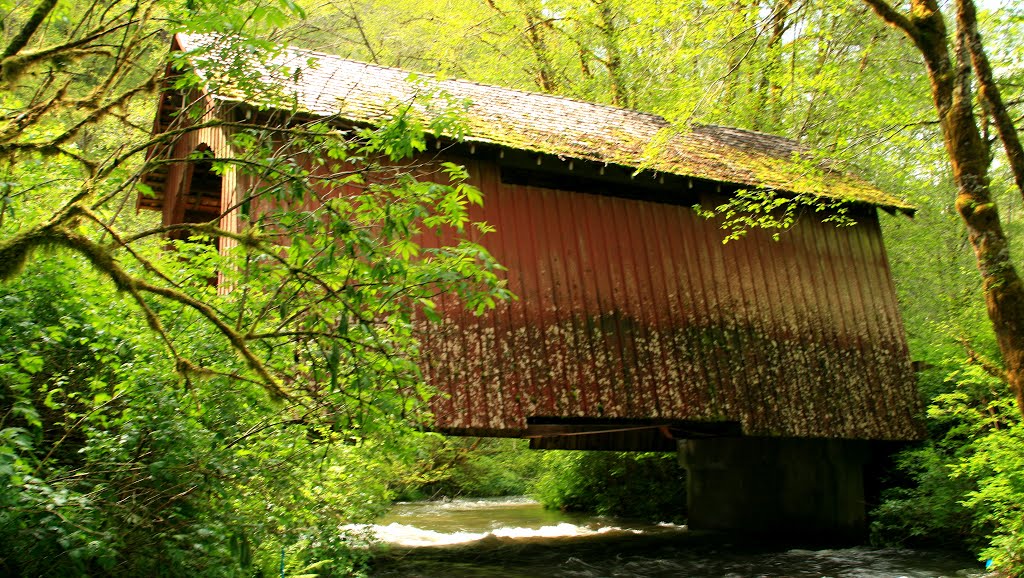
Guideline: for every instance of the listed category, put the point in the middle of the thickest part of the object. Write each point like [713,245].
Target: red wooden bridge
[636,327]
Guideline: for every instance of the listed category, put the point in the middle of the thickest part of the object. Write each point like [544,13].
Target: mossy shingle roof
[328,85]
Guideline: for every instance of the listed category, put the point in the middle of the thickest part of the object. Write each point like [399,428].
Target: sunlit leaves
[30,363]
[758,209]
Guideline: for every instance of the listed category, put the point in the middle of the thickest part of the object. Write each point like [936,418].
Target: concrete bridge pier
[785,487]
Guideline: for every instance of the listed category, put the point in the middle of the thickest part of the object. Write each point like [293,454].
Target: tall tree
[955,62]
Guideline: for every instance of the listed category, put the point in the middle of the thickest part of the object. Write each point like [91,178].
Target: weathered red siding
[631,313]
[633,309]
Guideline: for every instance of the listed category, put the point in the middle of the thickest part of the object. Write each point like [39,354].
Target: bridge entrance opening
[202,198]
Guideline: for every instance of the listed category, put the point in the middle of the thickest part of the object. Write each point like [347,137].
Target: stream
[517,538]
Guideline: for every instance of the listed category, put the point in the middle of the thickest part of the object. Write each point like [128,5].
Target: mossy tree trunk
[950,75]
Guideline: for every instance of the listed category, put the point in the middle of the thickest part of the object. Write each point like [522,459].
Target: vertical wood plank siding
[635,310]
[627,309]
[630,309]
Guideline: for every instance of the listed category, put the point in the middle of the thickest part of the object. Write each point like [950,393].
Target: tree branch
[988,90]
[15,251]
[25,34]
[362,33]
[892,17]
[974,357]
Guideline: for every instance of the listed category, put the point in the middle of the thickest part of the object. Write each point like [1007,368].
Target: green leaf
[31,363]
[49,402]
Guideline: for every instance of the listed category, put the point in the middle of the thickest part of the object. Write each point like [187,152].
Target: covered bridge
[636,327]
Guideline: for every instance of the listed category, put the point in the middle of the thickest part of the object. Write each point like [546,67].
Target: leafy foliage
[765,209]
[106,429]
[110,466]
[641,485]
[469,467]
[966,488]
[217,397]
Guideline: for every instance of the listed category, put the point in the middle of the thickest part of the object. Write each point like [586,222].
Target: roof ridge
[747,130]
[564,126]
[436,77]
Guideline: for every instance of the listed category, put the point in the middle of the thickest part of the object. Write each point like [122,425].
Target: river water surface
[517,538]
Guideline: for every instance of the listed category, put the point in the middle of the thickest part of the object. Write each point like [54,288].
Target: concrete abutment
[780,487]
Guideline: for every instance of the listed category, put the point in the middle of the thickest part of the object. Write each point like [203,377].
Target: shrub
[968,479]
[469,467]
[651,486]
